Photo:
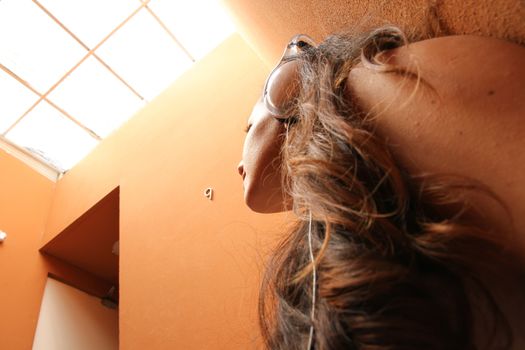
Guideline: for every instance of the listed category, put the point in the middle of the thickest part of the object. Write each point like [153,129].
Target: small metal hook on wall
[208,193]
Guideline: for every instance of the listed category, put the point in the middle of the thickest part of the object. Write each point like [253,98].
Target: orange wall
[25,199]
[189,267]
[268,25]
[73,320]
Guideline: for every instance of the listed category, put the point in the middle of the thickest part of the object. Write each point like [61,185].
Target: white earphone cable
[314,282]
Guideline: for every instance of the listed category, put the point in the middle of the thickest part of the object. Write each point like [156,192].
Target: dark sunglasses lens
[301,44]
[282,89]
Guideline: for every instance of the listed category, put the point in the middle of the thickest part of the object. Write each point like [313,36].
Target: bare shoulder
[471,72]
[459,89]
[468,67]
[465,114]
[465,55]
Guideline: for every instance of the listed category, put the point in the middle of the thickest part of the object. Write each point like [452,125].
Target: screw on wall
[3,236]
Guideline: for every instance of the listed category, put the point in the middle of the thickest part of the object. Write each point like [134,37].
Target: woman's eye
[247,128]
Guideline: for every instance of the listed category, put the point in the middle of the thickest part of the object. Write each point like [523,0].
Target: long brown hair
[397,260]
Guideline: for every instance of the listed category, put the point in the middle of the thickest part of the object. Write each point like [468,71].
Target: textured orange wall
[189,267]
[268,25]
[25,199]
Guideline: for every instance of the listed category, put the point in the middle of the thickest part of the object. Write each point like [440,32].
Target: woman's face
[260,166]
[261,162]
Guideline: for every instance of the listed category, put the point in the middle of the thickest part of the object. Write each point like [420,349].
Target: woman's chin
[264,203]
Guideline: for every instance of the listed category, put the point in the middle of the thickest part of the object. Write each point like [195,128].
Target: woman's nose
[240,168]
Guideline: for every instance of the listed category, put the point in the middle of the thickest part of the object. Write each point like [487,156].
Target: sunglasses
[282,85]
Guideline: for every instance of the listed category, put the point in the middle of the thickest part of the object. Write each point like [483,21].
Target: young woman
[403,164]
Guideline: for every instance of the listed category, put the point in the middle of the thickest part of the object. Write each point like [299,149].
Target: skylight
[159,61]
[198,25]
[96,98]
[16,99]
[30,42]
[51,136]
[72,72]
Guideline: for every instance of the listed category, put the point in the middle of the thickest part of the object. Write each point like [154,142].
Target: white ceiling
[72,71]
